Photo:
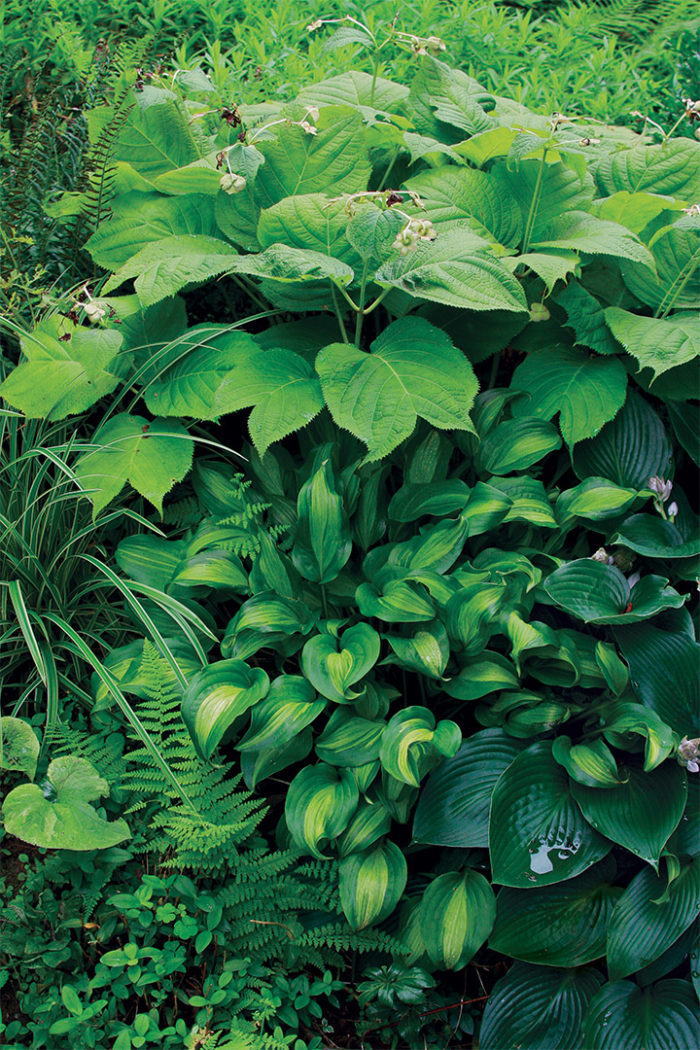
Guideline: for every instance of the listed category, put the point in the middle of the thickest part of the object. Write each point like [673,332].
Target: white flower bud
[232,183]
[672,511]
[308,128]
[93,311]
[314,113]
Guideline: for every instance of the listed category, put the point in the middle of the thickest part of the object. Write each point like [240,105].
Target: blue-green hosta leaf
[60,377]
[371,884]
[663,673]
[349,740]
[538,1008]
[587,318]
[586,392]
[662,1016]
[625,721]
[671,169]
[457,913]
[19,747]
[320,802]
[58,814]
[453,808]
[537,833]
[152,455]
[676,283]
[658,343]
[598,593]
[457,269]
[334,665]
[322,542]
[413,370]
[562,925]
[515,444]
[642,812]
[216,696]
[139,219]
[630,450]
[649,917]
[412,743]
[290,705]
[595,499]
[653,537]
[165,266]
[461,195]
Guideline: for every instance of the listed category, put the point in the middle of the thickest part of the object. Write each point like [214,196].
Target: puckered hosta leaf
[537,833]
[456,269]
[190,387]
[578,231]
[164,267]
[662,1016]
[543,194]
[657,343]
[216,696]
[150,454]
[676,283]
[453,195]
[586,392]
[672,169]
[457,912]
[561,925]
[630,450]
[663,670]
[413,370]
[598,593]
[320,801]
[653,537]
[649,917]
[58,378]
[371,884]
[538,1008]
[587,318]
[139,219]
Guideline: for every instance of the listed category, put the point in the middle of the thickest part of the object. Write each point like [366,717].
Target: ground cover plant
[413,655]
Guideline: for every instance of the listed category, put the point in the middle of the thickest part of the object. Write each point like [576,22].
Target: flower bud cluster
[232,183]
[662,493]
[688,754]
[414,231]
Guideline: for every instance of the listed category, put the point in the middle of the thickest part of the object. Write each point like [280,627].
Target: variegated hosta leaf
[457,914]
[412,744]
[371,884]
[334,665]
[216,697]
[320,802]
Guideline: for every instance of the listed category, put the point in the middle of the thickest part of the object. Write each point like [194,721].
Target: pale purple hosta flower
[672,511]
[688,754]
[661,488]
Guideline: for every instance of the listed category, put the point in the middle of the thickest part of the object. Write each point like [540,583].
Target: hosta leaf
[532,1008]
[453,808]
[412,743]
[457,912]
[598,593]
[663,1016]
[562,925]
[257,765]
[537,833]
[165,266]
[530,500]
[587,318]
[658,343]
[413,370]
[640,813]
[592,763]
[216,696]
[349,740]
[58,377]
[58,814]
[322,543]
[152,455]
[626,721]
[371,821]
[483,675]
[290,705]
[642,926]
[670,169]
[395,600]
[19,747]
[630,450]
[334,665]
[457,270]
[663,673]
[426,652]
[371,884]
[139,219]
[438,497]
[461,195]
[515,444]
[150,559]
[653,537]
[595,499]
[586,392]
[320,802]
[262,621]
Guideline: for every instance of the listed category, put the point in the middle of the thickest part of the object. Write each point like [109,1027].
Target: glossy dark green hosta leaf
[630,450]
[598,593]
[457,912]
[663,672]
[537,1008]
[537,833]
[651,536]
[664,1016]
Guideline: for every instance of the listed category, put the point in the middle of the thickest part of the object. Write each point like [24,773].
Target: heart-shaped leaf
[412,743]
[320,802]
[216,697]
[290,705]
[333,665]
[19,747]
[663,1016]
[595,592]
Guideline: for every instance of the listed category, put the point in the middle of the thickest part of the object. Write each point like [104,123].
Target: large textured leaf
[586,392]
[165,266]
[537,833]
[19,747]
[536,1008]
[139,219]
[649,918]
[60,377]
[657,343]
[152,455]
[676,282]
[562,925]
[58,813]
[448,104]
[544,192]
[322,543]
[413,370]
[671,169]
[309,221]
[457,270]
[457,912]
[371,884]
[653,537]
[630,450]
[155,137]
[642,812]
[587,318]
[453,808]
[461,195]
[320,802]
[663,1016]
[598,593]
[216,696]
[663,672]
[360,90]
[578,231]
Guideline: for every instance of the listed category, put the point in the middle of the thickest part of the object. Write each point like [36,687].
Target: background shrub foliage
[434,615]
